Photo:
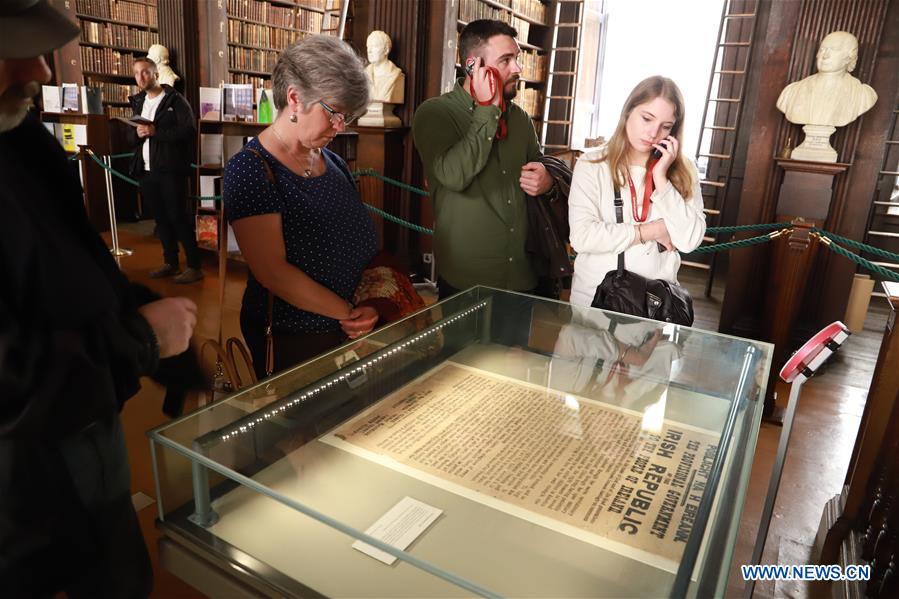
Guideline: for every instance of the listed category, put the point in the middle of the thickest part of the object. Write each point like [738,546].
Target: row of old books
[251,59]
[472,10]
[112,92]
[106,61]
[263,12]
[112,34]
[263,35]
[530,100]
[120,10]
[535,9]
[533,65]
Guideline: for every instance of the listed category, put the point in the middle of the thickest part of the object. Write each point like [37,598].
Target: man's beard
[509,94]
[12,108]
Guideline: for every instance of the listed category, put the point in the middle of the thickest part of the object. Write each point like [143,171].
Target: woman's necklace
[307,172]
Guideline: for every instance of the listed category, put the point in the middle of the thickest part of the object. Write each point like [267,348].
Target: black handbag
[627,292]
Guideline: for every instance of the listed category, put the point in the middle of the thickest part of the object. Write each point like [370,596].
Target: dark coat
[172,148]
[547,242]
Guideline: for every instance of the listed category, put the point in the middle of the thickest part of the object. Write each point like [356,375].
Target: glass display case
[495,444]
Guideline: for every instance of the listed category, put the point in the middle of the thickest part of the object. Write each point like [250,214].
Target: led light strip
[249,426]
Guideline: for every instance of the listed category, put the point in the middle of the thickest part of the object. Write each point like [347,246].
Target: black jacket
[72,343]
[73,347]
[547,241]
[172,147]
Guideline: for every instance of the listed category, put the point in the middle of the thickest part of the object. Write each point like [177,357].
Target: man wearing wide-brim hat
[75,338]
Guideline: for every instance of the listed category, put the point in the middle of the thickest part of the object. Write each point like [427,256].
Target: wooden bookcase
[530,19]
[113,34]
[244,37]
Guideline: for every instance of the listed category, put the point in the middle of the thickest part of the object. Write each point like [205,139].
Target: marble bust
[830,98]
[160,55]
[386,82]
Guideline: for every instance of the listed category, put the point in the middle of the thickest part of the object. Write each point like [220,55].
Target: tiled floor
[823,434]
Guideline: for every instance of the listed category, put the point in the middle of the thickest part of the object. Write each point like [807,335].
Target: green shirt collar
[460,96]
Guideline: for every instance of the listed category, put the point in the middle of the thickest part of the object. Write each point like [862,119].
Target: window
[640,38]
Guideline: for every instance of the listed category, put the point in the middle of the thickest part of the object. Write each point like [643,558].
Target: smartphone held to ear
[656,153]
[469,66]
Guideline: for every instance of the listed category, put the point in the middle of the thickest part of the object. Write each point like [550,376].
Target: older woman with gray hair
[297,214]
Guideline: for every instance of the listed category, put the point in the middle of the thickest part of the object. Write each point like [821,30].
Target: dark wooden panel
[740,310]
[834,274]
[408,23]
[179,32]
[792,35]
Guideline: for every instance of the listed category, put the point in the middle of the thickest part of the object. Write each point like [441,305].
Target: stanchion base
[121,252]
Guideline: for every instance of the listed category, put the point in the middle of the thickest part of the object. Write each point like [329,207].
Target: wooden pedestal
[92,174]
[804,199]
[383,149]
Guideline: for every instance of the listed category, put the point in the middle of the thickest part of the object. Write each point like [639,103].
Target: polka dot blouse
[328,233]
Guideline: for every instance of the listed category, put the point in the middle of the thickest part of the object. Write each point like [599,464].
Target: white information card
[399,527]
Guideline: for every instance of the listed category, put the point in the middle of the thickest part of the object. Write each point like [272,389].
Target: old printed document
[582,467]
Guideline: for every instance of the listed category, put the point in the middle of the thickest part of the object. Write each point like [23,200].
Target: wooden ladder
[721,116]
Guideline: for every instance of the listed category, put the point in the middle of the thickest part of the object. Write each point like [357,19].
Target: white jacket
[598,239]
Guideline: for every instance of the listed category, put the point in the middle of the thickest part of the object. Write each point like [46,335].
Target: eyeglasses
[337,117]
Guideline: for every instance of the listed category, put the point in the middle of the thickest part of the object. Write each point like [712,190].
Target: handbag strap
[619,218]
[269,333]
[271,179]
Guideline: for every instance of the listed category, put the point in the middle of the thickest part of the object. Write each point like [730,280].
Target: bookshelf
[530,20]
[257,31]
[113,34]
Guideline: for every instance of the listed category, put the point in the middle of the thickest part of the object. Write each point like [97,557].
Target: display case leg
[203,514]
[486,319]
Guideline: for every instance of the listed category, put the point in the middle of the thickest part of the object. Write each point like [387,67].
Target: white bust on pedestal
[160,55]
[828,99]
[386,82]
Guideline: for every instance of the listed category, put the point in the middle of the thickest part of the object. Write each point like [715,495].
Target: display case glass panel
[529,448]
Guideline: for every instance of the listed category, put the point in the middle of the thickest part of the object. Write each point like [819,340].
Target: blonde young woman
[662,200]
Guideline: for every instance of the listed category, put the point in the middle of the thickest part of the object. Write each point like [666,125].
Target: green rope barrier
[857,245]
[75,155]
[113,171]
[737,228]
[885,273]
[731,245]
[370,172]
[208,198]
[121,155]
[399,221]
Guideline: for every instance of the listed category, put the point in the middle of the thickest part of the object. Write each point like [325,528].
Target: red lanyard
[647,191]
[493,79]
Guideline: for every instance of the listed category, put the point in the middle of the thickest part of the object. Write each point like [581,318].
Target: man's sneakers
[166,270]
[190,275]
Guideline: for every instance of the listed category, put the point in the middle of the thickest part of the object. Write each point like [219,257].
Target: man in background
[161,162]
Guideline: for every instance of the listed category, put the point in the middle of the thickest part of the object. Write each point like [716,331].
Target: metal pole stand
[798,369]
[116,250]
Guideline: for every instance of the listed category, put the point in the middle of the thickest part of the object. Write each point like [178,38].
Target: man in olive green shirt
[477,181]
